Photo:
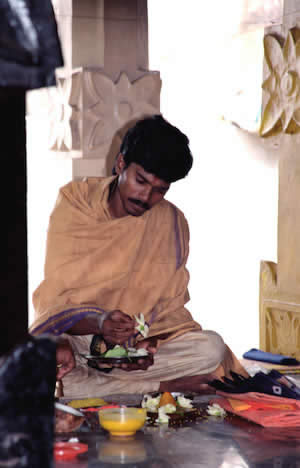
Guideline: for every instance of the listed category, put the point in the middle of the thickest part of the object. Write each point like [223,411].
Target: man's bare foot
[194,383]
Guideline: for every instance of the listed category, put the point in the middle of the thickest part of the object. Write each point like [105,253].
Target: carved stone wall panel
[281,85]
[279,315]
[90,110]
[283,329]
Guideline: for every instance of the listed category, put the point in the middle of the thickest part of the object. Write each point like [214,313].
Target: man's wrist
[101,319]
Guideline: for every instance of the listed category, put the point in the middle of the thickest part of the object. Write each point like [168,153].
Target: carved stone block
[279,315]
[90,110]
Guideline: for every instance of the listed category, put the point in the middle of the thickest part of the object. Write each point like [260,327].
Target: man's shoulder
[85,182]
[85,187]
[167,209]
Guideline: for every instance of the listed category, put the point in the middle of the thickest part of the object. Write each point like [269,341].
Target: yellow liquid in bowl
[123,421]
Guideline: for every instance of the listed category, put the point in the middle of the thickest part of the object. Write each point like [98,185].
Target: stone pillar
[105,84]
[280,284]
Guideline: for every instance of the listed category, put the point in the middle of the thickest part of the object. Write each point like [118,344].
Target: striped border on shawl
[178,252]
[62,321]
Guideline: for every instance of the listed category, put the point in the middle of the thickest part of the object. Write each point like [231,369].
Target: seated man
[115,249]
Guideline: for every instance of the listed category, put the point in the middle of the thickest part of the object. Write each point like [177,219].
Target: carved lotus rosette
[89,109]
[281,86]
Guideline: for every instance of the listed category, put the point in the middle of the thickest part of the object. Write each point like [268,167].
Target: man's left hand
[150,344]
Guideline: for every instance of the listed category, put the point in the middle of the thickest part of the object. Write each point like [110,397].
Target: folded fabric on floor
[258,355]
[265,410]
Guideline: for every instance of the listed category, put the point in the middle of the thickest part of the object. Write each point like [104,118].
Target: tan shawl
[95,263]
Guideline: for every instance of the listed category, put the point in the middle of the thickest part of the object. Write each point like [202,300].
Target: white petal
[271,115]
[184,402]
[123,86]
[216,410]
[289,51]
[169,408]
[296,116]
[274,55]
[298,56]
[138,320]
[269,84]
[286,116]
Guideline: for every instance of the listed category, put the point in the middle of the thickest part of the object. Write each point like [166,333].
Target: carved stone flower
[110,105]
[89,109]
[281,86]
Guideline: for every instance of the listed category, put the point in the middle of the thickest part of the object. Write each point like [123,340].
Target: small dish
[68,409]
[68,450]
[67,419]
[122,421]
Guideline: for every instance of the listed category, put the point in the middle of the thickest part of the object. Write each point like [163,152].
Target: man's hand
[150,344]
[65,359]
[118,327]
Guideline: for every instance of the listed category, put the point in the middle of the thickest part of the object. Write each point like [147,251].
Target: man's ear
[120,164]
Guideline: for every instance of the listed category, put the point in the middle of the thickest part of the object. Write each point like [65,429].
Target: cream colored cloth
[194,353]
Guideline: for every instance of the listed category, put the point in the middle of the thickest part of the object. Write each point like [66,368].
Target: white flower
[216,410]
[150,403]
[184,402]
[169,408]
[73,440]
[163,418]
[142,326]
[132,352]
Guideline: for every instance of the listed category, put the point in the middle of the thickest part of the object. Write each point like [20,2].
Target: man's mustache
[140,203]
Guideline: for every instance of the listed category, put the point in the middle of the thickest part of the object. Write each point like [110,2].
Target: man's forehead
[149,177]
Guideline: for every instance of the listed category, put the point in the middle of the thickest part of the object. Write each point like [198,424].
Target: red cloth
[266,410]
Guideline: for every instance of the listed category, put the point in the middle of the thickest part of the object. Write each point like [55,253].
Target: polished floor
[207,442]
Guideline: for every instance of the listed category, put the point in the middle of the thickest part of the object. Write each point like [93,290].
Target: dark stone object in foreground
[27,385]
[29,45]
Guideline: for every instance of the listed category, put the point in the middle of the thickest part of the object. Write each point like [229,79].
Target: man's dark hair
[159,147]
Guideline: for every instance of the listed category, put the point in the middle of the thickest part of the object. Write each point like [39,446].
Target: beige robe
[95,263]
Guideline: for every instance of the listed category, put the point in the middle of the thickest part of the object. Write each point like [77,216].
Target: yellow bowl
[122,421]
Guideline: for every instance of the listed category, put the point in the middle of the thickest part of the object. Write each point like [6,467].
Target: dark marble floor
[207,442]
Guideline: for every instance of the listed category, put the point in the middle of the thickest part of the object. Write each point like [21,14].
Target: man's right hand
[118,327]
[65,359]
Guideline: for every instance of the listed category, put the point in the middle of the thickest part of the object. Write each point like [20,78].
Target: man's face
[138,190]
